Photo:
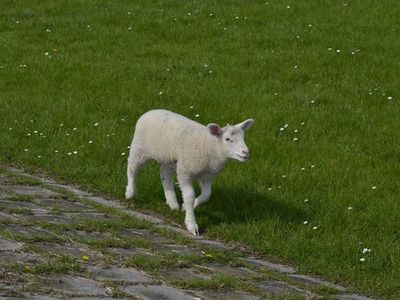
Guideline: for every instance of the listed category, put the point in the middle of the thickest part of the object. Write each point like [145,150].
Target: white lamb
[194,151]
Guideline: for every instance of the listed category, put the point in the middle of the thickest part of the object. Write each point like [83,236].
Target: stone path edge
[286,270]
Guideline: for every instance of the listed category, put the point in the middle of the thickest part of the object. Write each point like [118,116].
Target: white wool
[195,151]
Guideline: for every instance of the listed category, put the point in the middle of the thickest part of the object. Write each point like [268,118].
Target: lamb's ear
[214,129]
[245,124]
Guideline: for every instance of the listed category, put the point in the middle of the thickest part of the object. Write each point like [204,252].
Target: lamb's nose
[245,153]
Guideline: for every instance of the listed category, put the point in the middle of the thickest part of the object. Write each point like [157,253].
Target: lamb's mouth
[242,157]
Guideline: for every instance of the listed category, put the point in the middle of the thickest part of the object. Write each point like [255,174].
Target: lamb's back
[161,132]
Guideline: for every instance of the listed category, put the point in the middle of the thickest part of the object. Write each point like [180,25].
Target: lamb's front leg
[188,201]
[205,186]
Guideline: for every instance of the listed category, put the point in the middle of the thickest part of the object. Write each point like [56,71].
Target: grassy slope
[99,70]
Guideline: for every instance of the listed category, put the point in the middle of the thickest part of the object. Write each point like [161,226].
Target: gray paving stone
[118,274]
[25,230]
[175,274]
[18,204]
[156,292]
[48,218]
[179,249]
[65,205]
[77,286]
[239,272]
[6,217]
[145,234]
[269,265]
[18,257]
[126,252]
[29,190]
[87,234]
[281,288]
[76,251]
[39,297]
[7,245]
[218,295]
[316,282]
[352,297]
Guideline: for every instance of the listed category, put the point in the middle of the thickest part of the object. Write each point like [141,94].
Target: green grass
[98,71]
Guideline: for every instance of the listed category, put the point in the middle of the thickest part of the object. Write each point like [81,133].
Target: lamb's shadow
[233,205]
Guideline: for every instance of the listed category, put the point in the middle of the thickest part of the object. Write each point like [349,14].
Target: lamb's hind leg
[135,161]
[167,180]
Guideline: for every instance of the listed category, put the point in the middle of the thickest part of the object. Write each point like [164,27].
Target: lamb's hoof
[193,229]
[173,205]
[129,193]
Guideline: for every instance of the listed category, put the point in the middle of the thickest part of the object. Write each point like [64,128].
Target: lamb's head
[231,139]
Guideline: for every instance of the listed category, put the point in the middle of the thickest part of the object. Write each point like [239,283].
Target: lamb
[194,151]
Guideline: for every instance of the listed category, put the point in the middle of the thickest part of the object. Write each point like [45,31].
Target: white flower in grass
[309,25]
[362,259]
[61,124]
[67,134]
[279,186]
[210,71]
[191,107]
[28,134]
[389,98]
[312,101]
[305,222]
[270,189]
[374,187]
[295,131]
[286,125]
[302,123]
[281,129]
[312,166]
[288,6]
[96,124]
[350,208]
[210,15]
[35,131]
[129,12]
[160,93]
[39,156]
[315,228]
[295,67]
[283,176]
[338,51]
[365,250]
[295,139]
[74,129]
[197,115]
[329,49]
[306,200]
[189,14]
[90,142]
[69,153]
[10,128]
[297,36]
[129,147]
[303,169]
[48,30]
[46,53]
[55,151]
[123,153]
[129,28]
[75,152]
[26,150]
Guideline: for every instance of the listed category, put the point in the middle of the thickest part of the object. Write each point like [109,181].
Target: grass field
[321,79]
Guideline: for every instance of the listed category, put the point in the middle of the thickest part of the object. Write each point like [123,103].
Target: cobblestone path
[58,242]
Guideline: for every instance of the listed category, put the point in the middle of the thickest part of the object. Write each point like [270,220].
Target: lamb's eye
[227,139]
